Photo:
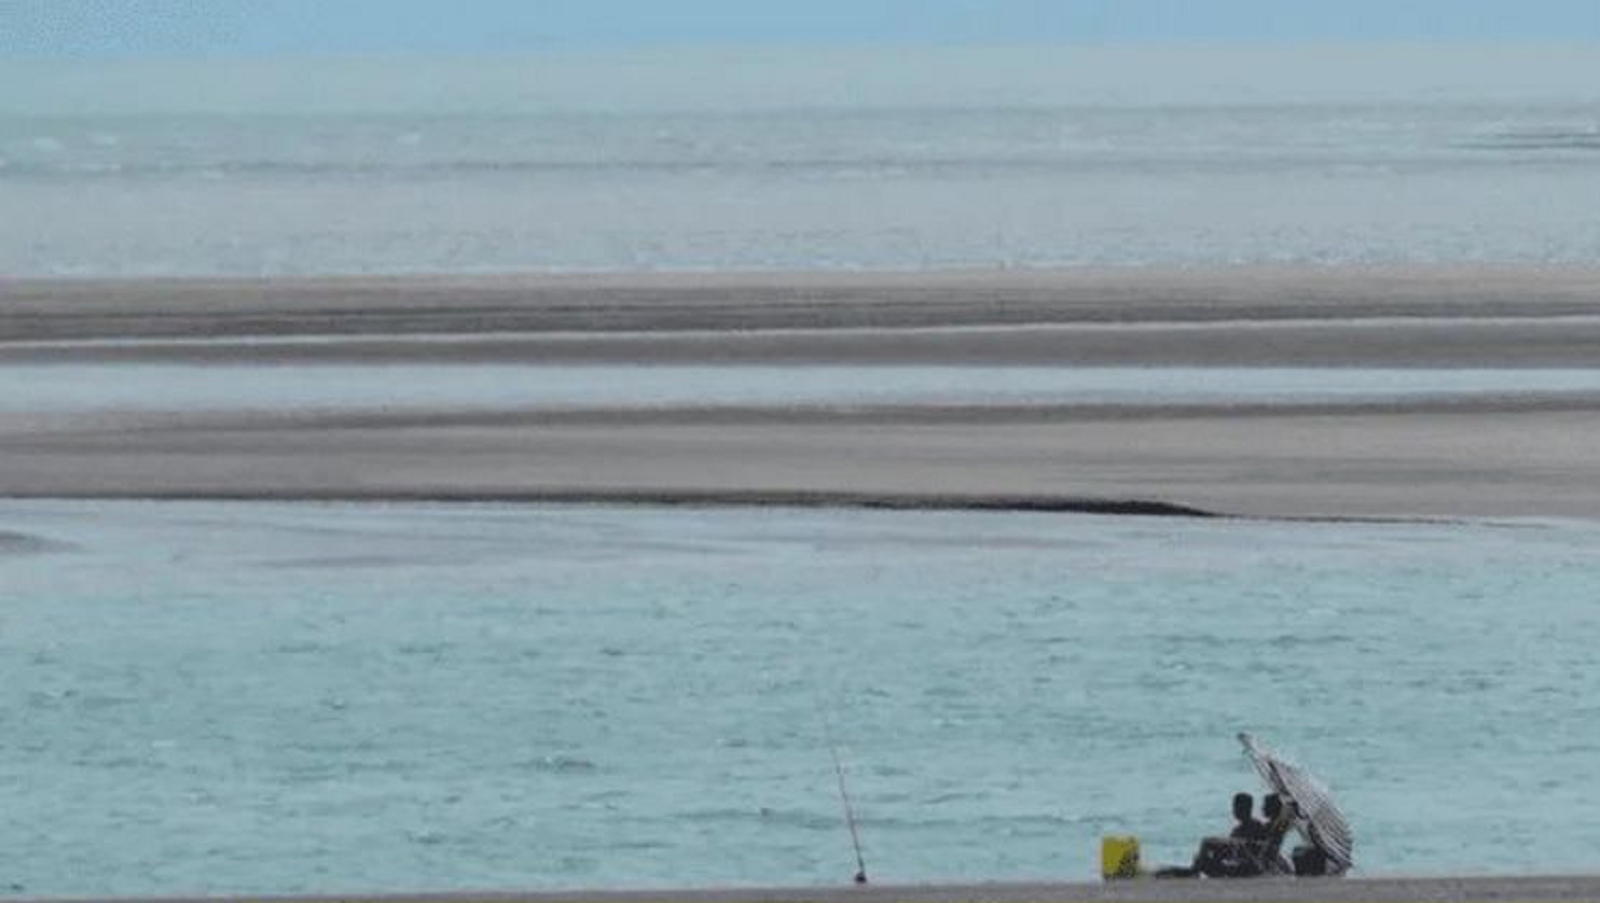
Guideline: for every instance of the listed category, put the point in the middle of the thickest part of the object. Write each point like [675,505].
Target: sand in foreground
[1551,889]
[1486,456]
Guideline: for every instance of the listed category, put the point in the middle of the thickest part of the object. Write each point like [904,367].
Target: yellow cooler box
[1119,857]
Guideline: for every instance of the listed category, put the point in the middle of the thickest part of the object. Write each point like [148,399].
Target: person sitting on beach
[1233,856]
[1268,858]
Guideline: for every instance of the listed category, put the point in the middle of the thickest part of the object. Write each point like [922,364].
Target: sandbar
[1495,455]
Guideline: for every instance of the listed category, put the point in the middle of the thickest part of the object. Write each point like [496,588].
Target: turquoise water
[276,698]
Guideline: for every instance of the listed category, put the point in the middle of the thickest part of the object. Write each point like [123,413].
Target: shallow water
[275,698]
[78,388]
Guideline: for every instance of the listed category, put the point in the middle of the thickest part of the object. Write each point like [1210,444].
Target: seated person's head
[1272,806]
[1243,804]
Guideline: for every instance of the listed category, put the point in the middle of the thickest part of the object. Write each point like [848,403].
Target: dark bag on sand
[1310,862]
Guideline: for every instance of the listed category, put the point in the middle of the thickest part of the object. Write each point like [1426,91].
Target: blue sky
[72,28]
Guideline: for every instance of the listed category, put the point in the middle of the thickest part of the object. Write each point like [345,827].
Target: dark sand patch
[14,543]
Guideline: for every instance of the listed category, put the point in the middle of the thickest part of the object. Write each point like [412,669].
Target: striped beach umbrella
[1320,819]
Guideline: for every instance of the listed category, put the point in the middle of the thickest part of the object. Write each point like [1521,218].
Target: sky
[180,28]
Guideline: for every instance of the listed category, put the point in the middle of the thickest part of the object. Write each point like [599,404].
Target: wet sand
[71,308]
[1525,455]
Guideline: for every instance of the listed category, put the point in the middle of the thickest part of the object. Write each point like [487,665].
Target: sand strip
[66,308]
[1437,464]
[1550,889]
[1390,342]
[1485,456]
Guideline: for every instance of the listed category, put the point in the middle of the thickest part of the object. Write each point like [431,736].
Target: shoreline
[649,498]
[1524,889]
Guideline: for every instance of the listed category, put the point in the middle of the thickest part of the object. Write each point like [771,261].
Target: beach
[1551,889]
[1484,452]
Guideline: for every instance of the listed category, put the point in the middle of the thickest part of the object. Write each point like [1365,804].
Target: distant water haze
[792,158]
[725,79]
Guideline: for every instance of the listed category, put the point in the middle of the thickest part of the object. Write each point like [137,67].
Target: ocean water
[275,698]
[779,159]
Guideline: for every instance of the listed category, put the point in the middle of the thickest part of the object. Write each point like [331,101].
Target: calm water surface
[277,698]
[802,159]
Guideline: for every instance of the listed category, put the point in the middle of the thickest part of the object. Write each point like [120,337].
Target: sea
[785,158]
[247,697]
[233,697]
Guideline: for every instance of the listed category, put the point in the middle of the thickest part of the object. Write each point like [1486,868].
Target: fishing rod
[844,798]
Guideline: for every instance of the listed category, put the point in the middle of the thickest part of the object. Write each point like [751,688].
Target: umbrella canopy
[1321,821]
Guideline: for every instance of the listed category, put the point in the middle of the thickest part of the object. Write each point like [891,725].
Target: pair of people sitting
[1250,850]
